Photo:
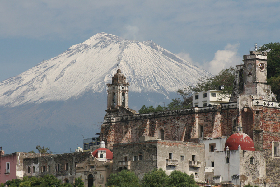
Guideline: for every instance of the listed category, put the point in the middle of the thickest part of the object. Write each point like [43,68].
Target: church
[234,142]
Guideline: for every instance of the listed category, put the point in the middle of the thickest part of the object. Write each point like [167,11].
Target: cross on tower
[118,62]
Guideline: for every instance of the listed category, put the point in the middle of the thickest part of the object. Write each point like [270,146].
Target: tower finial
[118,62]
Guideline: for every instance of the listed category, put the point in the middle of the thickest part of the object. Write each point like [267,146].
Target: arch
[252,160]
[227,159]
[90,180]
[123,99]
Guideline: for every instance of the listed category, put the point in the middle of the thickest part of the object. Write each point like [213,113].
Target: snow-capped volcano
[88,66]
[58,102]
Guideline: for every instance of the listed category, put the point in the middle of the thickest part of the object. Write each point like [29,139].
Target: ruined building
[252,110]
[93,167]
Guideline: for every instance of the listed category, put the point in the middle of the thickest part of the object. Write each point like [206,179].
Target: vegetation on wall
[225,79]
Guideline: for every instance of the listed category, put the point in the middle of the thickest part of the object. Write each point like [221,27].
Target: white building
[210,97]
[234,161]
[211,146]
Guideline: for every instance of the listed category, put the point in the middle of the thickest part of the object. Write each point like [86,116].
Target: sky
[211,34]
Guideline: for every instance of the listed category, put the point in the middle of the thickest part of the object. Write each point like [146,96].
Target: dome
[241,139]
[109,154]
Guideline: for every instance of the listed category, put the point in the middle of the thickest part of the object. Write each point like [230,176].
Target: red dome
[241,139]
[109,154]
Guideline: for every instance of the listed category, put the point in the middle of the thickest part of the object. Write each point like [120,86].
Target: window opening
[227,160]
[7,167]
[201,131]
[170,156]
[161,134]
[204,95]
[252,160]
[123,99]
[276,149]
[193,157]
[114,99]
[212,147]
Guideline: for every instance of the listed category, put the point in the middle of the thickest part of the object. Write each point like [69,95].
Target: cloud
[185,56]
[131,33]
[224,59]
[208,21]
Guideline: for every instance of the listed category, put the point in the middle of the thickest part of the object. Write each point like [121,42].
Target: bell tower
[117,92]
[255,72]
[251,77]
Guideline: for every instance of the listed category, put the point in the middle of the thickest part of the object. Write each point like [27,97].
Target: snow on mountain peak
[88,66]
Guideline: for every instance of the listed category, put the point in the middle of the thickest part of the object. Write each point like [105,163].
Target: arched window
[114,99]
[252,160]
[227,160]
[123,99]
[90,180]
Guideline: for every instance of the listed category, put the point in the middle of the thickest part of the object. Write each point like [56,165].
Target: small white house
[210,97]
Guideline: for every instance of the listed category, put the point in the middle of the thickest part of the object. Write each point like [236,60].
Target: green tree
[159,109]
[150,109]
[180,179]
[155,178]
[79,182]
[225,78]
[13,183]
[124,178]
[46,181]
[43,150]
[273,66]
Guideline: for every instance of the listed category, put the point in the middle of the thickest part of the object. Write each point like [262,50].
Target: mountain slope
[63,100]
[90,65]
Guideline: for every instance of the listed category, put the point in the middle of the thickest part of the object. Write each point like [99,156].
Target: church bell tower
[117,92]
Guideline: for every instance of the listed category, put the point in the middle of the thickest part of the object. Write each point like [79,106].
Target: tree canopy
[225,78]
[125,178]
[155,178]
[43,150]
[273,66]
[45,181]
[158,178]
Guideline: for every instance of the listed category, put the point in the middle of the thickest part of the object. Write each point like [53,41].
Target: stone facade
[252,109]
[63,166]
[94,172]
[144,156]
[11,165]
